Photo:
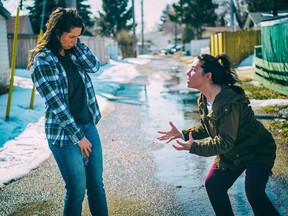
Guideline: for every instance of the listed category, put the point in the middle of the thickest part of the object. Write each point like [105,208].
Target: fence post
[34,89]
[211,45]
[13,65]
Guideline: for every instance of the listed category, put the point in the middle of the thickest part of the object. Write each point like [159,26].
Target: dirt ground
[142,176]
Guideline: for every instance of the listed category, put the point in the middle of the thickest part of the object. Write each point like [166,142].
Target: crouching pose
[239,142]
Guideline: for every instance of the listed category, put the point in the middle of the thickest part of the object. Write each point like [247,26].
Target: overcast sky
[152,10]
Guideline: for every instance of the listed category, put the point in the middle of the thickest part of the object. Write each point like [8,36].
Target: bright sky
[152,10]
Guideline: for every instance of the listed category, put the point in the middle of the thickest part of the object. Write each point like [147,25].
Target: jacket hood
[228,95]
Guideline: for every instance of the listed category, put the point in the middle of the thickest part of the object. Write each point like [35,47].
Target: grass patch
[280,128]
[260,92]
[274,109]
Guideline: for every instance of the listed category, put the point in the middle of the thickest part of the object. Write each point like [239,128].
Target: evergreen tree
[242,9]
[187,34]
[164,17]
[85,12]
[195,13]
[267,5]
[114,18]
[125,42]
[35,12]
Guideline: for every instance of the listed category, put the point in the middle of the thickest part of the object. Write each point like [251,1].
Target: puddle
[169,100]
[164,96]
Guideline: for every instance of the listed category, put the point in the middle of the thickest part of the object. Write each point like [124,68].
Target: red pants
[218,182]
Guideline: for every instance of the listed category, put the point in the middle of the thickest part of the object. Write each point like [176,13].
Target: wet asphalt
[142,176]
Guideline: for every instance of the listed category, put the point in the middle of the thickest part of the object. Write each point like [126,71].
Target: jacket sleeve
[87,60]
[47,82]
[226,133]
[198,132]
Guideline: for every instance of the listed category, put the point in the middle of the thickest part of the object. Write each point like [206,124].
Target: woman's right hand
[85,147]
[172,134]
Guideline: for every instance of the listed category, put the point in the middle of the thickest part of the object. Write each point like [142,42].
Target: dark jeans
[218,182]
[78,177]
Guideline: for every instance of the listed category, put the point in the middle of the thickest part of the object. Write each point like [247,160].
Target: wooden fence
[273,75]
[28,42]
[237,45]
[24,45]
[270,59]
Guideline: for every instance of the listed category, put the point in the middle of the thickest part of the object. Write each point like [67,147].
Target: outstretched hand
[184,145]
[172,134]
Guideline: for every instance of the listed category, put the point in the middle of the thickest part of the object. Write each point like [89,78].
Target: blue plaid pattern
[50,80]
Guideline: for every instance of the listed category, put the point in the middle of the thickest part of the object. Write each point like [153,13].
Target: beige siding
[97,45]
[28,42]
[4,60]
[24,45]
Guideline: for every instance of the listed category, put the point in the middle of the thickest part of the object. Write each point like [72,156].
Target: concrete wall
[196,46]
[97,45]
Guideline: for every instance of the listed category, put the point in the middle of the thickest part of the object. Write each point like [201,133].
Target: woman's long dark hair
[61,20]
[220,67]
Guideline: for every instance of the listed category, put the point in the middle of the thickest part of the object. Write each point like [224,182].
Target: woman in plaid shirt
[60,64]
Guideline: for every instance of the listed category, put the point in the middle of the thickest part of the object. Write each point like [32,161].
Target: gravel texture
[132,188]
[129,176]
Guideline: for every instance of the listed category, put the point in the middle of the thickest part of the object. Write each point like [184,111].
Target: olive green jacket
[237,138]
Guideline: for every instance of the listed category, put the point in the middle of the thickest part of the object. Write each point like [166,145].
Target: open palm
[172,134]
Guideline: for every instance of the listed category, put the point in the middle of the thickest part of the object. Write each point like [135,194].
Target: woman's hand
[184,145]
[172,134]
[85,147]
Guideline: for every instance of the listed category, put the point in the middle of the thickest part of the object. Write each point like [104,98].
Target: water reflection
[160,88]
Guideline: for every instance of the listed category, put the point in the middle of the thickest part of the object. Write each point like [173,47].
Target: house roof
[4,12]
[158,34]
[219,29]
[24,25]
[255,18]
[152,35]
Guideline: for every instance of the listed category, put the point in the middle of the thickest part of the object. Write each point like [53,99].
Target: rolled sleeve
[88,61]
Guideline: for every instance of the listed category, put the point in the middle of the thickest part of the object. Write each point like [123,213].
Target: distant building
[155,41]
[26,39]
[4,57]
[25,26]
[207,31]
[169,34]
[254,19]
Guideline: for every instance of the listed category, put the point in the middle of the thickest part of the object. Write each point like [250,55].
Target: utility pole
[142,27]
[39,37]
[71,3]
[43,15]
[13,64]
[134,31]
[232,14]
[175,34]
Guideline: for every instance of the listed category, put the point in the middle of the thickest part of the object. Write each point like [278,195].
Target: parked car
[171,50]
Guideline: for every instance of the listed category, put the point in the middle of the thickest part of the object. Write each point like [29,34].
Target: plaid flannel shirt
[50,80]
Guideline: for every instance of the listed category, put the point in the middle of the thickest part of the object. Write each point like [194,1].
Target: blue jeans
[79,177]
[218,182]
